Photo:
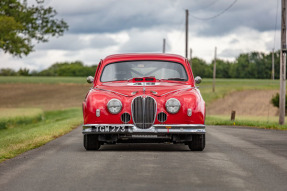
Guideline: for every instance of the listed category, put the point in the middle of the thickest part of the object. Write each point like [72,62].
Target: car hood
[131,89]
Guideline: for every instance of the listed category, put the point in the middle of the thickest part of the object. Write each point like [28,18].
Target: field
[24,137]
[35,110]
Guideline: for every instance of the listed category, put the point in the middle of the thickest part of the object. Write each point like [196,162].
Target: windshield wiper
[176,79]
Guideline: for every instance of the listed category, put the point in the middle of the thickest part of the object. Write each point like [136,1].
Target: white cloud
[102,27]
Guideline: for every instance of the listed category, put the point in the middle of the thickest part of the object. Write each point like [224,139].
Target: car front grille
[143,111]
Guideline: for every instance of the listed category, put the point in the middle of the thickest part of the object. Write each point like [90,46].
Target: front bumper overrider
[153,130]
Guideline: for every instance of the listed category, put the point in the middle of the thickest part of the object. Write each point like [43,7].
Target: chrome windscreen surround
[144,111]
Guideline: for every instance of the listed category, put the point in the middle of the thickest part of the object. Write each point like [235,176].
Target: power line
[212,3]
[205,6]
[275,27]
[217,15]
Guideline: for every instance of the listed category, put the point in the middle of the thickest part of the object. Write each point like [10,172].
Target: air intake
[125,117]
[161,117]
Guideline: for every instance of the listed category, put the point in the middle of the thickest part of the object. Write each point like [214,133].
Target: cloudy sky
[98,28]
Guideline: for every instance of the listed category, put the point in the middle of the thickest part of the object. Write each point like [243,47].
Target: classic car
[144,98]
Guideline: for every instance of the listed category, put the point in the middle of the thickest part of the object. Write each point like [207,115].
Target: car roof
[143,56]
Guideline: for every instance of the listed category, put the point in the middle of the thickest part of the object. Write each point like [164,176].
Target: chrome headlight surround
[172,105]
[114,106]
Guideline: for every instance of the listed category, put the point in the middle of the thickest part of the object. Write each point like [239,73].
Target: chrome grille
[143,111]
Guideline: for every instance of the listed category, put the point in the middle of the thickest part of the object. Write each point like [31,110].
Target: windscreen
[121,71]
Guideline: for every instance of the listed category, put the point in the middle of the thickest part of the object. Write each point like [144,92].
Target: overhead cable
[217,15]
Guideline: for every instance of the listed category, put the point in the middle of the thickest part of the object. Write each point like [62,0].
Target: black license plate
[110,129]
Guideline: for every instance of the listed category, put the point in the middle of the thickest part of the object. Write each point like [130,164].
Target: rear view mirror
[90,79]
[197,79]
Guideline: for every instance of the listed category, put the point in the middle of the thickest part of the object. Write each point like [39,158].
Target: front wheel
[197,143]
[91,142]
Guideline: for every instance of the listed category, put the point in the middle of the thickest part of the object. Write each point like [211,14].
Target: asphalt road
[234,159]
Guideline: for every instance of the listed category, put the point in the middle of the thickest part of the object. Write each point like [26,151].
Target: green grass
[14,141]
[42,80]
[250,121]
[226,86]
[13,117]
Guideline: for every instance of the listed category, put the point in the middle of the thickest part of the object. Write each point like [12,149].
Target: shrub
[275,101]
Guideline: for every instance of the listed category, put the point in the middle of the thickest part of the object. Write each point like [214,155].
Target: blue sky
[102,27]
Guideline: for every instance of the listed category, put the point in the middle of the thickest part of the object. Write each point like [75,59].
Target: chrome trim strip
[155,125]
[180,125]
[155,129]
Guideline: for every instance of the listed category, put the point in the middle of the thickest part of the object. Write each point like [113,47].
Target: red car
[144,98]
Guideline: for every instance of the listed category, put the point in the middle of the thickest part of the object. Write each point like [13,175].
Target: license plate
[110,129]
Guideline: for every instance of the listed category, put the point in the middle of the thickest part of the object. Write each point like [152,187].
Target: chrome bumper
[154,130]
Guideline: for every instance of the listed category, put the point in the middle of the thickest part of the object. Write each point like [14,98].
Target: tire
[197,143]
[91,142]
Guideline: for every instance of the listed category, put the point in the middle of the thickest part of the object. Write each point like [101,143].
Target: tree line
[256,65]
[76,68]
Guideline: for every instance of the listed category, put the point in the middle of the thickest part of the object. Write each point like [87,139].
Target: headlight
[114,106]
[172,105]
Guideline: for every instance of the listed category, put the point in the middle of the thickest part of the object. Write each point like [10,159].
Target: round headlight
[114,106]
[172,105]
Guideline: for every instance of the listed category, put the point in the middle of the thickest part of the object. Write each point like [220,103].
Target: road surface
[235,158]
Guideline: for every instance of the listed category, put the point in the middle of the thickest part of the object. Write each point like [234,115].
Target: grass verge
[41,80]
[14,141]
[13,117]
[249,121]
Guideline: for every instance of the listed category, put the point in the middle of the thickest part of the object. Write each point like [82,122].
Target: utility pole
[190,58]
[163,46]
[273,64]
[282,65]
[186,33]
[214,71]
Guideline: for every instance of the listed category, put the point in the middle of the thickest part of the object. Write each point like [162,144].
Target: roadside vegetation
[247,121]
[275,101]
[13,117]
[14,141]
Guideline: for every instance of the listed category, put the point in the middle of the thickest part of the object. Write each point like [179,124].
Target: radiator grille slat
[143,111]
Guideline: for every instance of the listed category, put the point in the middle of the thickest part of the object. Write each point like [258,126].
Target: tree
[76,68]
[22,25]
[7,72]
[222,68]
[23,72]
[200,68]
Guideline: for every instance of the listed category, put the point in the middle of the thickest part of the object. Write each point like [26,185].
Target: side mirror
[197,79]
[90,79]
